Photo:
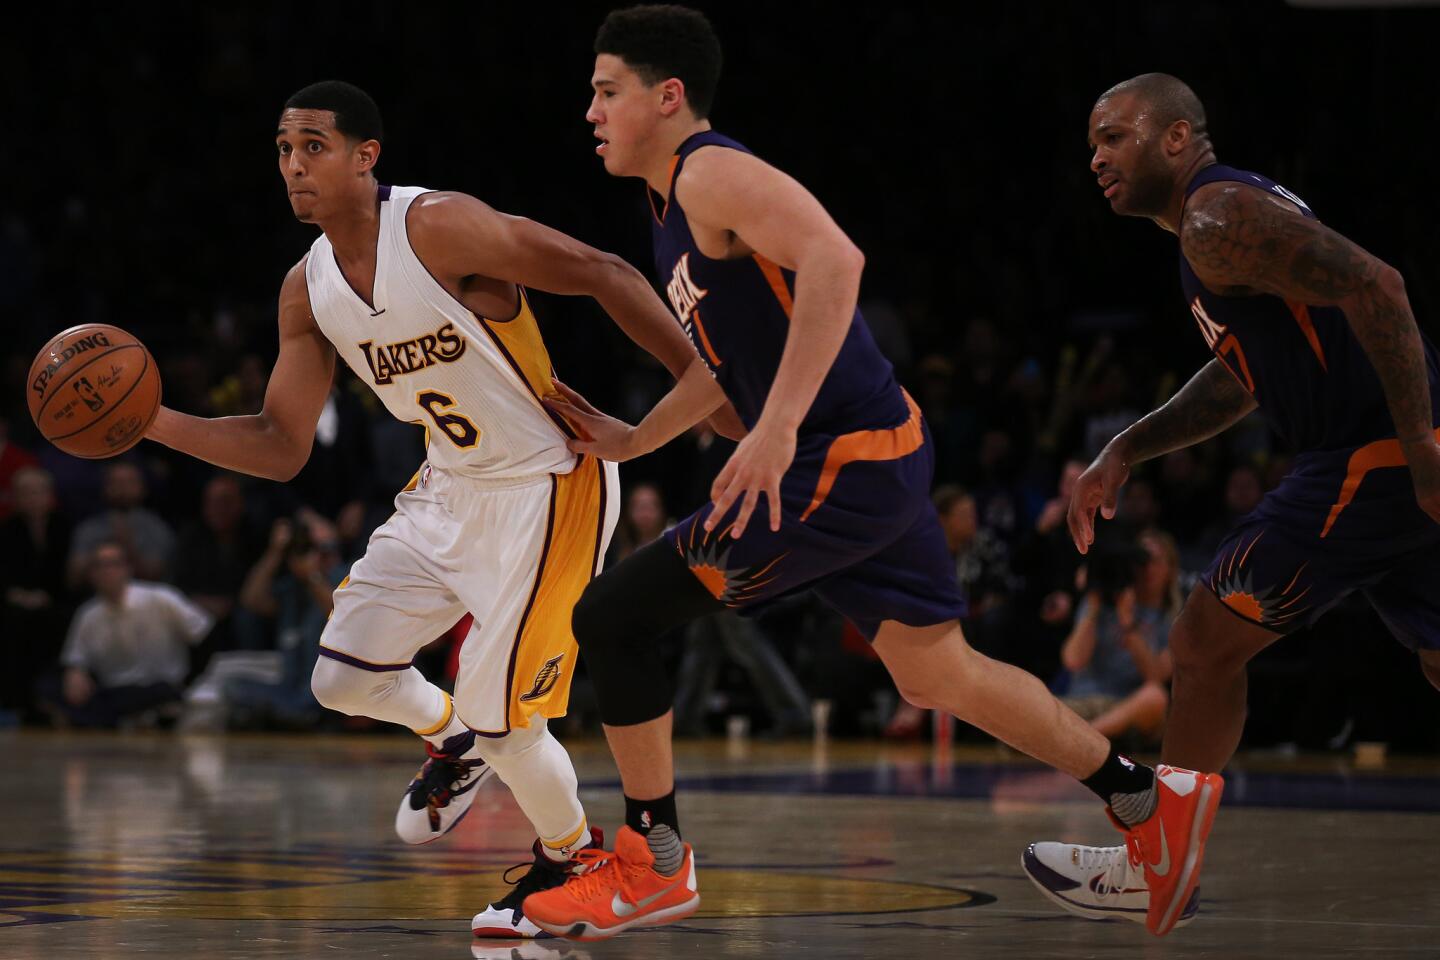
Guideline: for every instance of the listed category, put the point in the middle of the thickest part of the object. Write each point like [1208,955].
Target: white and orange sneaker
[1097,883]
[1170,846]
[616,891]
[1154,878]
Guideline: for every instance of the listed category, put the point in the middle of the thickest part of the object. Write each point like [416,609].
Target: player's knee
[917,696]
[514,745]
[339,687]
[598,621]
[1199,651]
[925,688]
[1192,653]
[933,677]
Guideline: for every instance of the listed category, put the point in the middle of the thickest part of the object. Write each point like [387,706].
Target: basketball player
[422,294]
[1317,334]
[766,284]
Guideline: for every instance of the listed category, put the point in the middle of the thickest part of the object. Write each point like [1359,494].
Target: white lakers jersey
[474,382]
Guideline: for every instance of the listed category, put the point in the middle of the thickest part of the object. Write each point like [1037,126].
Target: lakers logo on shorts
[545,680]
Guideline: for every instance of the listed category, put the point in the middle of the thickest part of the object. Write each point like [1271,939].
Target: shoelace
[437,781]
[540,877]
[1117,864]
[598,871]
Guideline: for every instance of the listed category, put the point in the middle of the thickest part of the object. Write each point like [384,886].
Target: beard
[1149,187]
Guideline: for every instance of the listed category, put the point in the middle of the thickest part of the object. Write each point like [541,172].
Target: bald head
[1147,138]
[1163,99]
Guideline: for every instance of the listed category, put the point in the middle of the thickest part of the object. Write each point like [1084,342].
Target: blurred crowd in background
[1029,324]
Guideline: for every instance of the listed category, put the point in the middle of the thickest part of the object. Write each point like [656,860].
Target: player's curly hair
[660,41]
[356,115]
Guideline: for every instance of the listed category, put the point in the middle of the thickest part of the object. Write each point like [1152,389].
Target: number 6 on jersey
[458,427]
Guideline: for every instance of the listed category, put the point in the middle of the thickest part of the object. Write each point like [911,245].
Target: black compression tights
[618,624]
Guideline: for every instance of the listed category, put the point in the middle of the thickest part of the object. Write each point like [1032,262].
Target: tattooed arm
[1212,402]
[1243,240]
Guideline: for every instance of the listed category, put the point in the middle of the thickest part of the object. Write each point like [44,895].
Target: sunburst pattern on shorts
[709,561]
[1266,605]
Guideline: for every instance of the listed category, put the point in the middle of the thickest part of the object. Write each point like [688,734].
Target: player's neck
[668,142]
[355,232]
[1170,219]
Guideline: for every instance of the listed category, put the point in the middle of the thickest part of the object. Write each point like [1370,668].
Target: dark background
[949,141]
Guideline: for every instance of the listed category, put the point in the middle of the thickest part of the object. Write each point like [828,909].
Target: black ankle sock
[1119,775]
[641,815]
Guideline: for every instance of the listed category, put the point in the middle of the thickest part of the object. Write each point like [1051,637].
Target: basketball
[93,391]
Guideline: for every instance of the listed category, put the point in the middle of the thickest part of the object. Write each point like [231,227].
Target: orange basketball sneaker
[1170,846]
[616,891]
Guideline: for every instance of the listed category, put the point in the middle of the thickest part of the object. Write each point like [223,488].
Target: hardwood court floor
[125,845]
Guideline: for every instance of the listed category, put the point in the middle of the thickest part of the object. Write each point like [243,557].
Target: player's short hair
[356,115]
[1169,99]
[660,41]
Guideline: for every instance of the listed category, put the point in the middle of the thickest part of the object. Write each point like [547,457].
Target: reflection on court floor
[118,845]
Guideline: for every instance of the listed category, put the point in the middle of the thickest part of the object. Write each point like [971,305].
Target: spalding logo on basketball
[93,391]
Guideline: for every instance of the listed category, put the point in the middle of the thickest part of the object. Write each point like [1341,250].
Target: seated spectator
[217,552]
[34,601]
[127,651]
[1116,654]
[293,585]
[147,540]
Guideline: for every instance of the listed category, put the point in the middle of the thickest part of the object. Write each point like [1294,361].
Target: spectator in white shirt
[127,651]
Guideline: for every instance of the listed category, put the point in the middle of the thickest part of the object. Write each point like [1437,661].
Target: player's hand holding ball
[93,391]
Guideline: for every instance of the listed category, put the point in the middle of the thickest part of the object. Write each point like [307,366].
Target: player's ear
[672,96]
[1177,138]
[367,155]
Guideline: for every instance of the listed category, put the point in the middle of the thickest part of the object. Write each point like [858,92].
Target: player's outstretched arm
[773,215]
[693,398]
[274,443]
[1239,239]
[458,236]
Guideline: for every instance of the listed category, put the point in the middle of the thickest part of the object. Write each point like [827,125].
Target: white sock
[453,727]
[562,849]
